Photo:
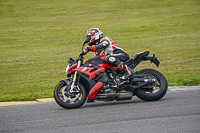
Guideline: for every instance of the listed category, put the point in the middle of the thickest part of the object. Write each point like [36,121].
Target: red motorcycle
[97,80]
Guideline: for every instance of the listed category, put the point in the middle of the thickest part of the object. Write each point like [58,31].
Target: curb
[183,88]
[45,100]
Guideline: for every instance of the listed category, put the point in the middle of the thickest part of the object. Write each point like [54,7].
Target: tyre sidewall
[65,105]
[153,96]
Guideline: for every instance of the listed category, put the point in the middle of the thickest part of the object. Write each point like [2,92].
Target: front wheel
[68,100]
[156,90]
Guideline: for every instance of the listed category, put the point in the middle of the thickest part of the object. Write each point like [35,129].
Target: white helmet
[93,35]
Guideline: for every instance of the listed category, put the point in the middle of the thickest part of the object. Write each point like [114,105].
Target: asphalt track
[177,112]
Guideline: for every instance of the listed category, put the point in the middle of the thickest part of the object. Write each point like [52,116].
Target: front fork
[74,78]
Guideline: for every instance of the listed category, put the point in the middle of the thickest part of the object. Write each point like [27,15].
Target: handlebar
[83,53]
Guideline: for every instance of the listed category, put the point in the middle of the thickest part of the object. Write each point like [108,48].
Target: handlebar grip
[84,52]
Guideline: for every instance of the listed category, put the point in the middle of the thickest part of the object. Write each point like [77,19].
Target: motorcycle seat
[140,55]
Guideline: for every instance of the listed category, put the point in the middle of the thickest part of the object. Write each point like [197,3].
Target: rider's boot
[128,71]
[120,65]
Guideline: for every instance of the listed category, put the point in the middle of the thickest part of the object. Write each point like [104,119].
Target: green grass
[38,37]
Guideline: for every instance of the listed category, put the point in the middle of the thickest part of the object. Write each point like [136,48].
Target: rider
[115,55]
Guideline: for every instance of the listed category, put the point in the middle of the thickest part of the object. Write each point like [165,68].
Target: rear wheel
[67,99]
[156,89]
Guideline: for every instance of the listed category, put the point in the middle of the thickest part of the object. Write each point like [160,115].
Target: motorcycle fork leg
[73,82]
[74,78]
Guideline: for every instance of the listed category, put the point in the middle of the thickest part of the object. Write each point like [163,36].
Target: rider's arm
[103,45]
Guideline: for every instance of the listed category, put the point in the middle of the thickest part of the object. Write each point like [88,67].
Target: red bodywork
[108,65]
[91,72]
[140,53]
[74,66]
[94,90]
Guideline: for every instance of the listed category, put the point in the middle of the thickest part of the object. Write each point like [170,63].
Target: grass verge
[38,37]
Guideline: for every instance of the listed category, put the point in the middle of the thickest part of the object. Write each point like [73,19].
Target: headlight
[67,69]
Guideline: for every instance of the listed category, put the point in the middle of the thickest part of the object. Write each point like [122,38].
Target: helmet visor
[87,39]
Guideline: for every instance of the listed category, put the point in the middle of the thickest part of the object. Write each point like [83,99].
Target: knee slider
[110,59]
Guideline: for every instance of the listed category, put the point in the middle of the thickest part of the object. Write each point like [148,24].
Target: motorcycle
[97,80]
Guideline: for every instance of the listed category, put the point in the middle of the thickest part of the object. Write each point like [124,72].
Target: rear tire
[67,100]
[161,87]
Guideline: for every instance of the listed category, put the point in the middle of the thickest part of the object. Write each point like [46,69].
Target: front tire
[69,100]
[153,93]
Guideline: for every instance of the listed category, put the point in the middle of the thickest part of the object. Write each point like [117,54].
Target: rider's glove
[92,48]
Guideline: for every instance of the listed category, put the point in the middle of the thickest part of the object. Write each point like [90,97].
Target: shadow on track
[111,103]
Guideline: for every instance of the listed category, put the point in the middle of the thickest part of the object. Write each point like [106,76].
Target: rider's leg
[120,65]
[128,72]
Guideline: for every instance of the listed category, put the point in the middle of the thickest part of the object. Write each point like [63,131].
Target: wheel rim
[156,87]
[70,98]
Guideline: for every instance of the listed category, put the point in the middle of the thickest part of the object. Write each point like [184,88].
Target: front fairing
[67,69]
[91,71]
[72,64]
[70,69]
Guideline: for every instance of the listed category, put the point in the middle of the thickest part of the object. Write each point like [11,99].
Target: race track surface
[177,112]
